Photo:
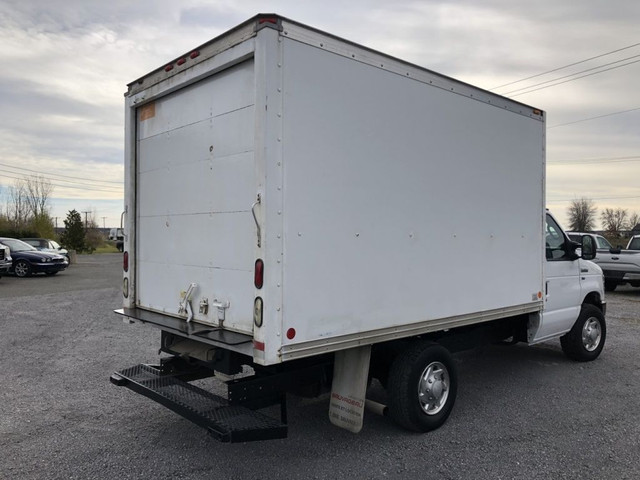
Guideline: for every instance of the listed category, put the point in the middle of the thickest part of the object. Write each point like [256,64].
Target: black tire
[585,340]
[422,387]
[22,269]
[610,285]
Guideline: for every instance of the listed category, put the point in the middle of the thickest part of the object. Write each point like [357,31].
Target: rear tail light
[258,274]
[125,261]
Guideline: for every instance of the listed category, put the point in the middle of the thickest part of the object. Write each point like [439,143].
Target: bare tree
[38,191]
[614,221]
[17,207]
[582,215]
[27,205]
[634,220]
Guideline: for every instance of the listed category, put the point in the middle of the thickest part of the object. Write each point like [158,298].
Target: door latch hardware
[204,306]
[184,307]
[222,307]
[255,218]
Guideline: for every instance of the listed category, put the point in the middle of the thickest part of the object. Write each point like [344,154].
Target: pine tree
[73,236]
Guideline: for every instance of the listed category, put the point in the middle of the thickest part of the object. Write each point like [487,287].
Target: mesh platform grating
[230,423]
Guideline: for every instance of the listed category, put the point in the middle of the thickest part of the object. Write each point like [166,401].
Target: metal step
[227,423]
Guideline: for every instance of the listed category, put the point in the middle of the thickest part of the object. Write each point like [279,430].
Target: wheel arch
[595,299]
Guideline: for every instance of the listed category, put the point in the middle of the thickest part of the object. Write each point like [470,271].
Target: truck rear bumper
[216,336]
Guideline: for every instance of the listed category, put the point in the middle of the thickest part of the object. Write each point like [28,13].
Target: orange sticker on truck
[147,111]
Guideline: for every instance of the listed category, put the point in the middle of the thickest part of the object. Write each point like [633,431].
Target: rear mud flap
[348,391]
[227,423]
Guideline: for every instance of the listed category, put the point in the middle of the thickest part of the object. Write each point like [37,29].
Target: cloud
[67,63]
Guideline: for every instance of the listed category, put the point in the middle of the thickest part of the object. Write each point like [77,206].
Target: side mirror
[573,252]
[588,247]
[615,251]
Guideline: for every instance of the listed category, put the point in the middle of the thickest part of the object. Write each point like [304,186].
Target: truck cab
[572,281]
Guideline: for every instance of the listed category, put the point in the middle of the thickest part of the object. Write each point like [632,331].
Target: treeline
[616,222]
[26,213]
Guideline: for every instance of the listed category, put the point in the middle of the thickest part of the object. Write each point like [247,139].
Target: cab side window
[556,245]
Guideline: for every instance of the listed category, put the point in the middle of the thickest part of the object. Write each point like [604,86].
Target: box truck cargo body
[290,194]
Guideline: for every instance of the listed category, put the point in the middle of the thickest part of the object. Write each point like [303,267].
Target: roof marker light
[194,54]
[181,61]
[168,68]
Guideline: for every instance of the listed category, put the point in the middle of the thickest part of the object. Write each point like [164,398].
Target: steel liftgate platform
[227,423]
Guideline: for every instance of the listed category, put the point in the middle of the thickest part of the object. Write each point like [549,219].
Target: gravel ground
[522,412]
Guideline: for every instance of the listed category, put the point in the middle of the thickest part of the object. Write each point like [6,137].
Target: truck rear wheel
[585,340]
[423,383]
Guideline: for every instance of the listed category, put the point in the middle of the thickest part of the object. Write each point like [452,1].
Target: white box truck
[304,214]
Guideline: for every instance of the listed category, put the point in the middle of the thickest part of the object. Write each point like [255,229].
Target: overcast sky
[64,66]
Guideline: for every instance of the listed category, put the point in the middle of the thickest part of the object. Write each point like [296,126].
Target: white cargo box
[385,200]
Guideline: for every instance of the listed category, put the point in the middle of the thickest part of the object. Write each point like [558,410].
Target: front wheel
[585,340]
[422,387]
[22,268]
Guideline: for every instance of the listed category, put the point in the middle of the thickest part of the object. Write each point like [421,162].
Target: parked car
[634,243]
[27,260]
[46,245]
[5,260]
[618,266]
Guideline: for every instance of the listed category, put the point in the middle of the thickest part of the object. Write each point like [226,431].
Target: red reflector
[181,61]
[258,345]
[168,68]
[194,55]
[258,274]
[125,261]
[268,20]
[291,333]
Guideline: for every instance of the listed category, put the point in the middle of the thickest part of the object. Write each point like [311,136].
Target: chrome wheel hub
[433,388]
[591,334]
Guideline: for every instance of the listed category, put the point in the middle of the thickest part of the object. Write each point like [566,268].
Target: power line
[593,161]
[89,188]
[566,66]
[573,79]
[105,188]
[572,74]
[59,175]
[593,118]
[621,197]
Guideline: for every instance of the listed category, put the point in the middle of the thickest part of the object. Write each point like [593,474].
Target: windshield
[17,245]
[634,244]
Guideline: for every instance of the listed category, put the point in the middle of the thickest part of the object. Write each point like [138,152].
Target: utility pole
[85,219]
[104,222]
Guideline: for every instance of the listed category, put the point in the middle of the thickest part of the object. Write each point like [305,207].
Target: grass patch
[107,248]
